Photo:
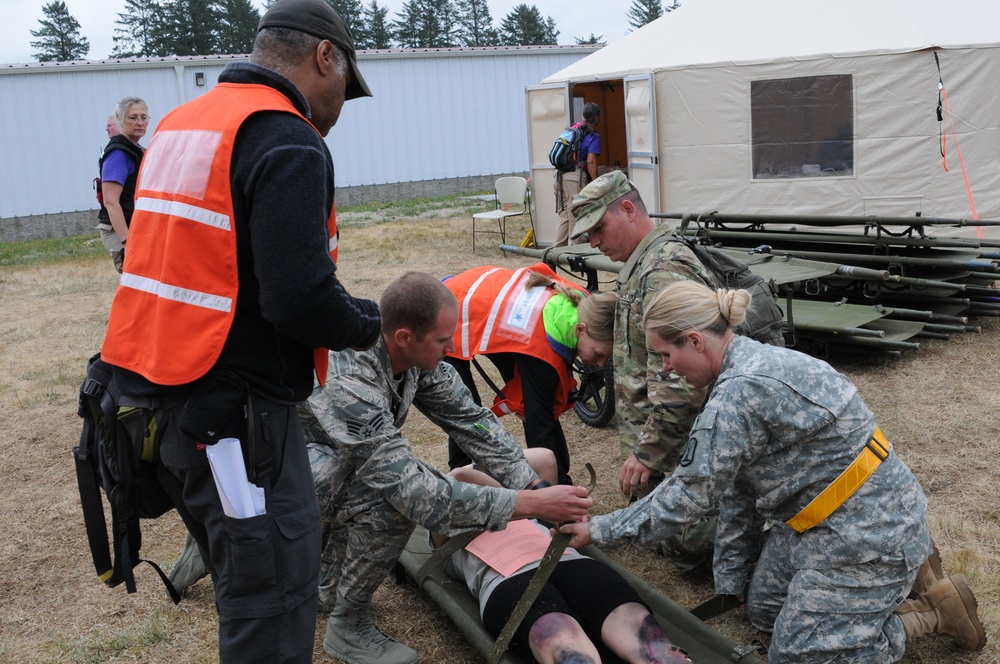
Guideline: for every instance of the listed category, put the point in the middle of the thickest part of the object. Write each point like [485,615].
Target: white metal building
[441,121]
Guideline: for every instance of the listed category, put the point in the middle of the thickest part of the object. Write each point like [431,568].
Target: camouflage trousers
[692,549]
[363,535]
[840,614]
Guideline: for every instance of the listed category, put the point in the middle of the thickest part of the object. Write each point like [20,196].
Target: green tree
[138,30]
[238,22]
[646,11]
[350,11]
[190,27]
[475,24]
[59,38]
[524,26]
[425,24]
[374,31]
[592,39]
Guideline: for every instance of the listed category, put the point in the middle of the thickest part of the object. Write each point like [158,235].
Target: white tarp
[714,61]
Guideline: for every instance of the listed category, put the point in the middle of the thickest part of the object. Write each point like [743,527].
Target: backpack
[765,320]
[565,153]
[107,459]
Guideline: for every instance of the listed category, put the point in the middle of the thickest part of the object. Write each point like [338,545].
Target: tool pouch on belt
[140,437]
[222,407]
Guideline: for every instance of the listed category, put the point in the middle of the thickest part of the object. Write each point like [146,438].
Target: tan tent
[792,106]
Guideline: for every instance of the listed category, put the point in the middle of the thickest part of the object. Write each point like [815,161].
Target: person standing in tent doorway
[569,184]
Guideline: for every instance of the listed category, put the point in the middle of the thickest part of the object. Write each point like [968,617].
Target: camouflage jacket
[778,428]
[362,408]
[654,410]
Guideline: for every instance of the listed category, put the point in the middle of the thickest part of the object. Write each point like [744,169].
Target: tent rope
[943,134]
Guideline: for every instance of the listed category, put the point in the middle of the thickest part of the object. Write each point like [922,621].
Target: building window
[802,127]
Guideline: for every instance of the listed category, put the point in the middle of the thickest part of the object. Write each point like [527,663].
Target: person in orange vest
[532,325]
[228,301]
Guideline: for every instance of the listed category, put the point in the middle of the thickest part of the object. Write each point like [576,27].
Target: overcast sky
[574,18]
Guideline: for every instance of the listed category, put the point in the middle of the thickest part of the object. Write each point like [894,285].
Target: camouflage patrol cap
[593,200]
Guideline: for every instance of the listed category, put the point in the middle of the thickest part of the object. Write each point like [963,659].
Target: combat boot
[189,567]
[353,637]
[928,574]
[947,607]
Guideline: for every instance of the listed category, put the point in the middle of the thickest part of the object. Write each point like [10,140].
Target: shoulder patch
[365,430]
[688,457]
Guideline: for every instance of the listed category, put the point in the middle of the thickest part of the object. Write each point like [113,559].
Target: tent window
[802,127]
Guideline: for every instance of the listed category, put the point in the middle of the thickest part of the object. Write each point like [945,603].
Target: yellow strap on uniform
[842,488]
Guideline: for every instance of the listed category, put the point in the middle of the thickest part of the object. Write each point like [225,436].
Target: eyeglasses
[133,118]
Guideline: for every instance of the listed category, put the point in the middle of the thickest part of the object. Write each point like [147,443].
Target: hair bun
[733,305]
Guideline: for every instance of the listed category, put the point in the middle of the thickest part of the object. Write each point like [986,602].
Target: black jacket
[290,300]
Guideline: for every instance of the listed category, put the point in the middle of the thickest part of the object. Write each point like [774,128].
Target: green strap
[442,553]
[538,580]
[541,576]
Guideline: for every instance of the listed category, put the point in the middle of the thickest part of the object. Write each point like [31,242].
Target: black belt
[160,401]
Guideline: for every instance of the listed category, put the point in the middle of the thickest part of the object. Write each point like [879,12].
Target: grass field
[937,405]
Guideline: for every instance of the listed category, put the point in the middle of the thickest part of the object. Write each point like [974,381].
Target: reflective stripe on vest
[175,304]
[497,315]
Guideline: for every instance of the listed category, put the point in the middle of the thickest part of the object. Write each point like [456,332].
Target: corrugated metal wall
[436,114]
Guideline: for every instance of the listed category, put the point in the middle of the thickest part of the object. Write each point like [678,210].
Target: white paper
[240,498]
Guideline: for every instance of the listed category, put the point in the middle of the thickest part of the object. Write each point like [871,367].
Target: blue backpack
[565,153]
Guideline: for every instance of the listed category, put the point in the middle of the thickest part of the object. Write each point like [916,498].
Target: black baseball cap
[320,20]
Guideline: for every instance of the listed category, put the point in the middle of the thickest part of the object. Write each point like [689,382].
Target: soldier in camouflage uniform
[654,409]
[786,441]
[370,485]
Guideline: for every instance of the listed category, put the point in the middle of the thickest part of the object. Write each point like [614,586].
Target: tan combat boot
[928,574]
[352,637]
[947,607]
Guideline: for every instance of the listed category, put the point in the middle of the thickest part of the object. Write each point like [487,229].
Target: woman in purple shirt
[569,184]
[119,170]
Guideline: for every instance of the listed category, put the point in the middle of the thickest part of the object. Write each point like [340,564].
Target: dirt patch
[937,405]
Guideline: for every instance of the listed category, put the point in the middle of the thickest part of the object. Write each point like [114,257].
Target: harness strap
[444,552]
[541,576]
[836,494]
[486,377]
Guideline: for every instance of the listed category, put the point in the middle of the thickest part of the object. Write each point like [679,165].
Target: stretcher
[703,644]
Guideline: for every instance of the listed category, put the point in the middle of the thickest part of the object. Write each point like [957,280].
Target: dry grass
[936,404]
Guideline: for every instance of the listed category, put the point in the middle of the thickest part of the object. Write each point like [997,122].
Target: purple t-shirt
[591,144]
[117,166]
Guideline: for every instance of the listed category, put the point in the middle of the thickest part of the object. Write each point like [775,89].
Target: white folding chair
[511,201]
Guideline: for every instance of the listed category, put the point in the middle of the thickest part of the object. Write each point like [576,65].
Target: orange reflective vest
[496,314]
[177,299]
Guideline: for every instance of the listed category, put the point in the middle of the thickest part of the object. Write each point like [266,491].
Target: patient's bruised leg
[557,638]
[633,634]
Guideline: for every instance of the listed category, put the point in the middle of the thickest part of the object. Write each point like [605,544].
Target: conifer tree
[475,24]
[425,24]
[524,26]
[351,12]
[646,11]
[374,31]
[191,27]
[59,38]
[138,30]
[238,21]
